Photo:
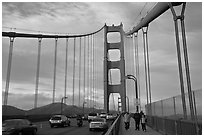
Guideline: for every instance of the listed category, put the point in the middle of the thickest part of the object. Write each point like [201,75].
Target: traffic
[92,123]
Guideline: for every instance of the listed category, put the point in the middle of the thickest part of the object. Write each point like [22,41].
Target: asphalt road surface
[45,129]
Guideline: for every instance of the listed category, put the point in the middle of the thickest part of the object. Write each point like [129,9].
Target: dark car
[18,127]
[59,120]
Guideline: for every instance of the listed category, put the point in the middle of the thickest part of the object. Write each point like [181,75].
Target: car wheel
[51,126]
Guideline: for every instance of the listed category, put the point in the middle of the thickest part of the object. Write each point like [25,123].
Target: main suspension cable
[26,35]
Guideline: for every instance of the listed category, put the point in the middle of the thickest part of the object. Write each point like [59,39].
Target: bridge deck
[132,130]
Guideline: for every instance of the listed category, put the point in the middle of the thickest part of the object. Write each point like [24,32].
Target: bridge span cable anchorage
[31,35]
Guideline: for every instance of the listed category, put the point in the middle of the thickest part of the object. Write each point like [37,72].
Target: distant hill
[55,108]
[50,109]
[10,110]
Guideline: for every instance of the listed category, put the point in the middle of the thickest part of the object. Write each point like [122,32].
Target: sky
[86,17]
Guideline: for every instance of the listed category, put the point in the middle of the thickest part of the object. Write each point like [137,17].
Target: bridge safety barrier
[167,115]
[174,127]
[114,129]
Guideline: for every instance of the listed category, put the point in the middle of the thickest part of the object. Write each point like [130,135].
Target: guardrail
[174,127]
[114,129]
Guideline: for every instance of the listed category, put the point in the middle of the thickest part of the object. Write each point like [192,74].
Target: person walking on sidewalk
[137,118]
[143,122]
[127,120]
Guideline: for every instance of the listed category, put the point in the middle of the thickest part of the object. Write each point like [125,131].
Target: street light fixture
[135,79]
[62,103]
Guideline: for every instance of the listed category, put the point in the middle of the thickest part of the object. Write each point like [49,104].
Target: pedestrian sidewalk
[132,131]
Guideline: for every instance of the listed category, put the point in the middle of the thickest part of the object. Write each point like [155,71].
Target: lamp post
[135,79]
[83,107]
[62,102]
[128,103]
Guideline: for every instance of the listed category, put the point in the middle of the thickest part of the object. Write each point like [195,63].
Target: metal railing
[167,116]
[114,129]
[174,127]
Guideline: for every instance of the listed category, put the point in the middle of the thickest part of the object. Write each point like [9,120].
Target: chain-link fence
[173,108]
[169,113]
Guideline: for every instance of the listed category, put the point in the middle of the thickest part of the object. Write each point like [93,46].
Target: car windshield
[56,118]
[98,120]
[92,114]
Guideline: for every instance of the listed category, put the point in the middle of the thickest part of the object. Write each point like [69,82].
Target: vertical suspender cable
[93,74]
[134,58]
[37,73]
[186,63]
[137,66]
[179,62]
[90,78]
[8,70]
[148,70]
[55,64]
[79,69]
[74,71]
[84,67]
[65,81]
[145,67]
[88,75]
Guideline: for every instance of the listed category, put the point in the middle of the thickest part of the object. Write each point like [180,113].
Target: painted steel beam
[158,9]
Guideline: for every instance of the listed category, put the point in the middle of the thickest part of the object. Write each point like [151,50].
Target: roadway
[45,129]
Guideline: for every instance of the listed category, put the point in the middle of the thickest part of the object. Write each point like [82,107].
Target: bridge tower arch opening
[110,87]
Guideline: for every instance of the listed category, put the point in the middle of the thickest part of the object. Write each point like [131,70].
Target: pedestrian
[143,122]
[127,120]
[137,118]
[141,113]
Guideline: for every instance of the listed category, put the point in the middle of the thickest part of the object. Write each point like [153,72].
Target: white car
[103,115]
[110,117]
[98,123]
[92,116]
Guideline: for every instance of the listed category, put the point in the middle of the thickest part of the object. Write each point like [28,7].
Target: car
[98,123]
[18,127]
[59,120]
[92,116]
[103,115]
[110,117]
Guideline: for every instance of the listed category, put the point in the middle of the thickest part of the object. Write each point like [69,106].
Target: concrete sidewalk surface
[132,131]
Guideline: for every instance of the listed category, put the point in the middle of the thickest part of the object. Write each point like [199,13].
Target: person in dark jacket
[137,118]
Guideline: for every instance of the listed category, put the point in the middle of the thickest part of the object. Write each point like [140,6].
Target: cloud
[87,17]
